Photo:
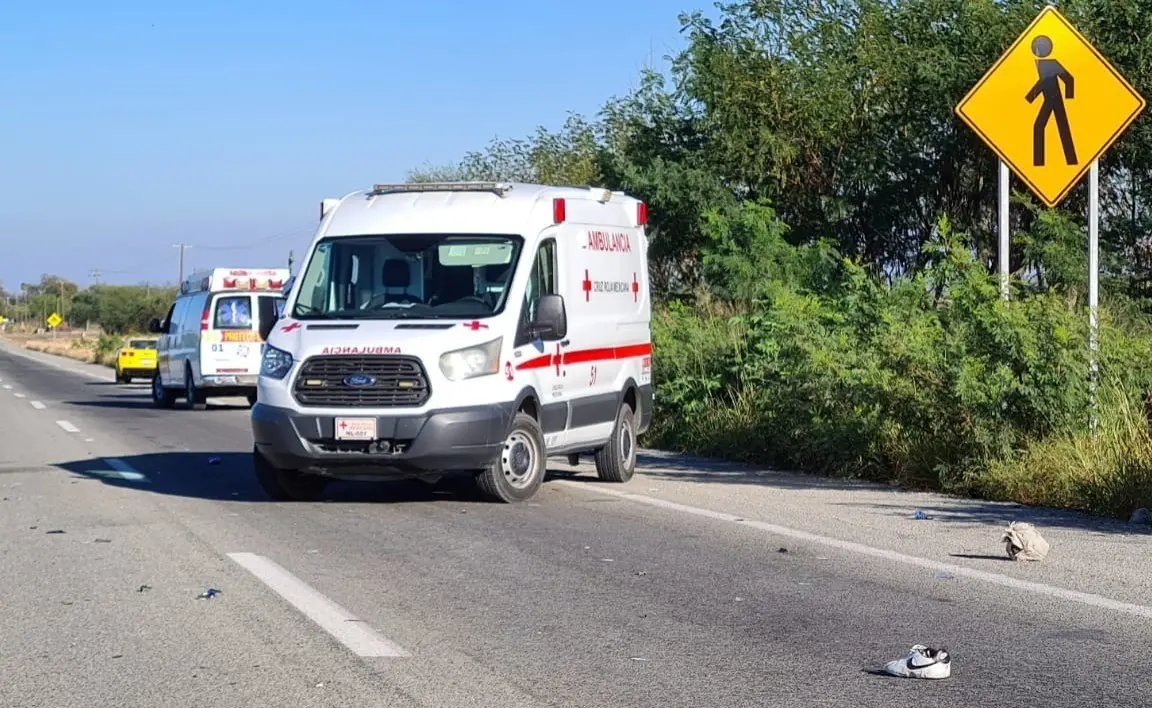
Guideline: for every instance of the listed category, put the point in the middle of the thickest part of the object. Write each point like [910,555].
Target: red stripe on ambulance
[587,356]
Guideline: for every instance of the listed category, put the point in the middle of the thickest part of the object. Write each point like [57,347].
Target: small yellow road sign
[1050,106]
[54,320]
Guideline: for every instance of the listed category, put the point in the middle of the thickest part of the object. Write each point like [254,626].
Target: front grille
[399,382]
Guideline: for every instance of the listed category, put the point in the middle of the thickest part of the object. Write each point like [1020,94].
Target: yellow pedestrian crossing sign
[54,320]
[1050,106]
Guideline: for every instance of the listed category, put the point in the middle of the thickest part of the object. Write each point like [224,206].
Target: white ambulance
[460,327]
[210,341]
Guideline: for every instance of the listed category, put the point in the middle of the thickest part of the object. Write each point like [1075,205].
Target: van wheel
[616,461]
[251,399]
[286,485]
[518,472]
[162,397]
[194,397]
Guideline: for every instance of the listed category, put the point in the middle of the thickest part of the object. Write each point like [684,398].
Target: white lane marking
[7,387]
[123,470]
[361,639]
[38,405]
[19,395]
[994,578]
[67,427]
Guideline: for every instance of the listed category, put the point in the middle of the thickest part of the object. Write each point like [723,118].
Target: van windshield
[408,276]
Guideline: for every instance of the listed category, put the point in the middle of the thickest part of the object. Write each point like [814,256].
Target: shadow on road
[228,476]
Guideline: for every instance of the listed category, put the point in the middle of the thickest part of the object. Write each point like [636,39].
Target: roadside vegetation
[824,256]
[823,253]
[96,320]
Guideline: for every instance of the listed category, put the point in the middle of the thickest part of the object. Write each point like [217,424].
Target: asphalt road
[696,584]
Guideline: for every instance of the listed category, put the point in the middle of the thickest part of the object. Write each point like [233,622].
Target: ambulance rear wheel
[162,397]
[616,461]
[516,475]
[193,396]
[286,485]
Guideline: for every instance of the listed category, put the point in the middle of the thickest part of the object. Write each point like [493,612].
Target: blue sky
[130,126]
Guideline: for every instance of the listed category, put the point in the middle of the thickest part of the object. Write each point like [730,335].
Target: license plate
[355,428]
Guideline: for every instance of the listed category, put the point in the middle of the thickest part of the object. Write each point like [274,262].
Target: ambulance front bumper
[406,445]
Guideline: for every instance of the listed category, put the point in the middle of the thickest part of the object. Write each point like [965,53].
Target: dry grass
[1109,474]
[88,349]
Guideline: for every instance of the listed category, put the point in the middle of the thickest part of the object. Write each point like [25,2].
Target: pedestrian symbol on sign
[1052,73]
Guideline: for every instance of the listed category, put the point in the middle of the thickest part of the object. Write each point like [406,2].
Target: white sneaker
[922,662]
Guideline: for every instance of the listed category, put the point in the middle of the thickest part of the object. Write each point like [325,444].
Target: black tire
[194,398]
[516,475]
[118,376]
[616,461]
[286,485]
[251,399]
[162,397]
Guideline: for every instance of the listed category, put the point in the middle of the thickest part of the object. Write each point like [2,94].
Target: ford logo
[359,380]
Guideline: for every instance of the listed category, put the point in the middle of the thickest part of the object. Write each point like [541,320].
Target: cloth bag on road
[1024,543]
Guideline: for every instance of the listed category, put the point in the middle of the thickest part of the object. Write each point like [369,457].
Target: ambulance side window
[541,281]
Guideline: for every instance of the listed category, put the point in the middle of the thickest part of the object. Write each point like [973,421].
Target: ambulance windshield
[408,276]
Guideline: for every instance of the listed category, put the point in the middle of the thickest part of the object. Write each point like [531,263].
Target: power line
[143,265]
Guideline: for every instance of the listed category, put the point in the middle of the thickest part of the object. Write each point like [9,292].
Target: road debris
[208,594]
[103,540]
[922,663]
[781,550]
[945,576]
[921,515]
[144,588]
[54,532]
[641,572]
[1024,543]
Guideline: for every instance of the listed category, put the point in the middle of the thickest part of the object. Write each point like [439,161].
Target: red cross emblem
[292,327]
[635,289]
[508,370]
[587,285]
[343,425]
[475,325]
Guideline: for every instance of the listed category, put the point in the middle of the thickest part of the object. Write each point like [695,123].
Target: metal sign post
[1003,250]
[1093,290]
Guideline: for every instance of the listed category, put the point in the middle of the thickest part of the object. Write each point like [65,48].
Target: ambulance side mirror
[288,286]
[155,326]
[551,318]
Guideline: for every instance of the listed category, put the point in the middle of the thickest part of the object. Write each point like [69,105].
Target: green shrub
[930,380]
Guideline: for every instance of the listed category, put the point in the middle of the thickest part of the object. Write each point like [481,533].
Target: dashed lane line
[358,637]
[38,405]
[67,427]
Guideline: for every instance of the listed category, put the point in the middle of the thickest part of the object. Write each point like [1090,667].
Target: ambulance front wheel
[518,472]
[616,461]
[286,485]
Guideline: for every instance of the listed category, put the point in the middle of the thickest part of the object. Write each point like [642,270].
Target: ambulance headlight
[469,363]
[275,363]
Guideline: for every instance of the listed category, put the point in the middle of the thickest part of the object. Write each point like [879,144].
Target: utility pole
[95,275]
[291,260]
[181,246]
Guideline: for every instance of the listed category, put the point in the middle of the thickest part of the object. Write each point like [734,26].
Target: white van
[475,327]
[210,339]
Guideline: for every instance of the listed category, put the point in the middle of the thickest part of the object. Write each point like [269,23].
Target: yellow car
[136,359]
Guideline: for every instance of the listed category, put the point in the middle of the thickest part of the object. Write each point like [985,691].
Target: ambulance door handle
[566,342]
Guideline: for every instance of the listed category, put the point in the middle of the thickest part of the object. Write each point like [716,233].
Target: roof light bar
[497,187]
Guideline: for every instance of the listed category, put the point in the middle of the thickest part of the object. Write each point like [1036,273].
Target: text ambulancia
[460,327]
